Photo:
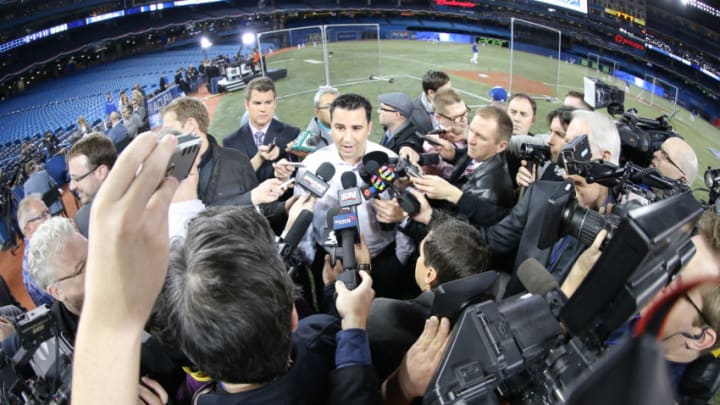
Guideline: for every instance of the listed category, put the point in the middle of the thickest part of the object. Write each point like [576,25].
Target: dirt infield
[520,84]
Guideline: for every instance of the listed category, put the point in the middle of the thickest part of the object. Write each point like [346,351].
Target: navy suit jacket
[242,140]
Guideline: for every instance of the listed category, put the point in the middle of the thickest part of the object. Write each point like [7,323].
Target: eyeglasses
[79,271]
[323,107]
[80,178]
[665,156]
[458,119]
[43,215]
[702,315]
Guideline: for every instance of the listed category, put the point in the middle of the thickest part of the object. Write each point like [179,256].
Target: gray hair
[46,245]
[323,90]
[603,134]
[23,210]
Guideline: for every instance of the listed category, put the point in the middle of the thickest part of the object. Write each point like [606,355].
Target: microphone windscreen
[372,168]
[348,180]
[381,158]
[326,171]
[535,278]
[332,212]
[297,231]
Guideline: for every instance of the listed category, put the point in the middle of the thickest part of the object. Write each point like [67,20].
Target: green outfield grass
[352,63]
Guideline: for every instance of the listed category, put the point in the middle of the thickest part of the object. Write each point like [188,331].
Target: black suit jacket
[420,118]
[405,137]
[243,141]
[487,192]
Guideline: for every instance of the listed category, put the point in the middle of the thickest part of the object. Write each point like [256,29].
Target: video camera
[631,186]
[640,137]
[48,353]
[534,155]
[536,348]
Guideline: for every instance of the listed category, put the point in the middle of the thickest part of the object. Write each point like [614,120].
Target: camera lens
[582,223]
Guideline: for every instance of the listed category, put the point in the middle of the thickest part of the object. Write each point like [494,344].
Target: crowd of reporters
[301,267]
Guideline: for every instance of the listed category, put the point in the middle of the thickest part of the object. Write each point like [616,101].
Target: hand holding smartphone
[183,159]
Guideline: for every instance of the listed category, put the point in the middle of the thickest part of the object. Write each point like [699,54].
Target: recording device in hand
[534,155]
[183,159]
[379,173]
[316,183]
[534,349]
[431,140]
[350,195]
[290,241]
[345,227]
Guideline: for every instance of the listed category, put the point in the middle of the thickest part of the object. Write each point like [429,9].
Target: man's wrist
[354,322]
[455,195]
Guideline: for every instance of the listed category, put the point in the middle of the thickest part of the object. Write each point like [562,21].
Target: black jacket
[243,141]
[226,176]
[487,192]
[420,118]
[405,137]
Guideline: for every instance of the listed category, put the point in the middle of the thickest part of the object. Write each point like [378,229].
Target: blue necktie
[259,138]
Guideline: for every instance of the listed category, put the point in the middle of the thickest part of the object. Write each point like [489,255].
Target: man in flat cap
[394,113]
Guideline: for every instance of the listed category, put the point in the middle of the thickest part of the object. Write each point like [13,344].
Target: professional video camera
[631,186]
[48,353]
[640,137]
[537,349]
[712,181]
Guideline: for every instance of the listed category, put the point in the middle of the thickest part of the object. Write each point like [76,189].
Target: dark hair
[352,102]
[504,123]
[98,148]
[563,113]
[455,249]
[532,102]
[229,298]
[581,96]
[433,80]
[261,84]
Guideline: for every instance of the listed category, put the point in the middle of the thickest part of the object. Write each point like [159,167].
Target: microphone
[350,196]
[316,183]
[374,184]
[537,280]
[296,233]
[345,225]
[379,157]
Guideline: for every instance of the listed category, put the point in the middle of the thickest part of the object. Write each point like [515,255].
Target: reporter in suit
[263,137]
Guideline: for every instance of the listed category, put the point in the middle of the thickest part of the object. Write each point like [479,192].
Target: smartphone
[183,159]
[270,142]
[429,139]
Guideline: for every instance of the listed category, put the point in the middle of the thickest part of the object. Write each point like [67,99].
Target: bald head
[677,160]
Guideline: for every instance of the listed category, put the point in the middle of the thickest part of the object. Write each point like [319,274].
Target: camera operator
[453,249]
[677,160]
[558,120]
[519,232]
[480,187]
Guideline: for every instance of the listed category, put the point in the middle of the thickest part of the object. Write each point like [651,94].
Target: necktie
[386,139]
[259,137]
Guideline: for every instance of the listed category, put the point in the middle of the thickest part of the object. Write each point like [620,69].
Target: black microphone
[345,225]
[296,233]
[350,196]
[380,157]
[316,183]
[537,280]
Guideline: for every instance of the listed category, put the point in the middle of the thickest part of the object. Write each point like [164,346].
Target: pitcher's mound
[520,83]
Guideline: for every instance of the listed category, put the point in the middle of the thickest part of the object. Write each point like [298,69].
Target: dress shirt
[255,133]
[376,238]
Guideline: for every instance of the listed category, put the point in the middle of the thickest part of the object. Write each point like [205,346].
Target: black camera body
[641,137]
[535,155]
[47,352]
[535,349]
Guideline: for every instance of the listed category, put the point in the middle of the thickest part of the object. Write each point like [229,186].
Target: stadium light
[205,43]
[248,38]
